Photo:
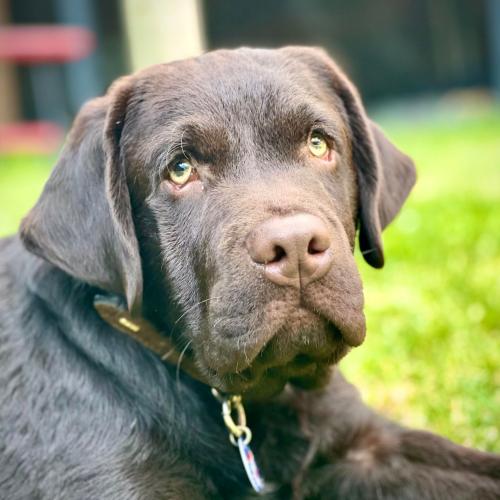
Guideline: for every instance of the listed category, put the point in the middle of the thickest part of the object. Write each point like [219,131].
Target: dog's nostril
[279,254]
[314,247]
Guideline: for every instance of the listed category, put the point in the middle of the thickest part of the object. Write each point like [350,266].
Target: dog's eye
[180,172]
[318,145]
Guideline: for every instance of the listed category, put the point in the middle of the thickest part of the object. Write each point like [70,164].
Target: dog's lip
[301,364]
[307,374]
[304,369]
[275,358]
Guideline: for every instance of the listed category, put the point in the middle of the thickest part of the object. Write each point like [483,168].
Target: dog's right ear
[82,222]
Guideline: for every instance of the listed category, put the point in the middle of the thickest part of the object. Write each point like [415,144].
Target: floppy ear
[82,222]
[385,178]
[385,174]
[397,176]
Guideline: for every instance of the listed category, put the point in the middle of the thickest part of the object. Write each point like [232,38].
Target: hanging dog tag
[251,468]
[240,436]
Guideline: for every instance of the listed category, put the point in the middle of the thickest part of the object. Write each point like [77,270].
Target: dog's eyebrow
[331,129]
[180,146]
[201,139]
[313,116]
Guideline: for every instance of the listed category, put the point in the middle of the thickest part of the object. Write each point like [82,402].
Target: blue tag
[251,468]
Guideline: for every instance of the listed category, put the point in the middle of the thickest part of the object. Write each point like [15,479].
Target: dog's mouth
[300,356]
[302,371]
[255,339]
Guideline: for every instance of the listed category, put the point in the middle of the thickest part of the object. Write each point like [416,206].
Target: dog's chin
[303,371]
[273,382]
[302,356]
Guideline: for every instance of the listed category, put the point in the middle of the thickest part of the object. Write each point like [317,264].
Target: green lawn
[21,181]
[432,354]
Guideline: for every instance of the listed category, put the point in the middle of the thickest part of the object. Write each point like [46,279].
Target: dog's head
[221,196]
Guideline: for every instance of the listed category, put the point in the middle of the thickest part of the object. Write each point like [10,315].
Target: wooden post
[162,30]
[9,101]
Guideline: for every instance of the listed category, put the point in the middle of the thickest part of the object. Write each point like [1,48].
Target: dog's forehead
[230,86]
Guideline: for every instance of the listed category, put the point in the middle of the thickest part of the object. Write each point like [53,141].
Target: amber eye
[180,172]
[318,145]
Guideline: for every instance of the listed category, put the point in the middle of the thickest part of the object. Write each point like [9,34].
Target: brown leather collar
[112,310]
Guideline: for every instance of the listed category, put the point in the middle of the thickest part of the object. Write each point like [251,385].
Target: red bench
[39,44]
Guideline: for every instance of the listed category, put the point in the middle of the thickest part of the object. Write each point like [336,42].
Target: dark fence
[389,47]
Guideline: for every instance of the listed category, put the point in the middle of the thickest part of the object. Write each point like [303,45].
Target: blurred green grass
[21,181]
[432,354]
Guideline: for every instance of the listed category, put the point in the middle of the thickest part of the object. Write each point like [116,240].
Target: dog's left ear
[385,174]
[382,198]
[82,222]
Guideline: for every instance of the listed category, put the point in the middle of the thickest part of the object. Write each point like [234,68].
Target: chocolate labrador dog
[197,233]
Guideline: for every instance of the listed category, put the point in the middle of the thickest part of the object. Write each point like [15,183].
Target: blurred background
[429,72]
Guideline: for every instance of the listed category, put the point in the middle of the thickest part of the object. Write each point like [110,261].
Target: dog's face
[231,185]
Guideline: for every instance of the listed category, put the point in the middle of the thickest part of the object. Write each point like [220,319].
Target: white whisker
[193,306]
[179,362]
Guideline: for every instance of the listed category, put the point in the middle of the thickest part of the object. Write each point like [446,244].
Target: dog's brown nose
[295,250]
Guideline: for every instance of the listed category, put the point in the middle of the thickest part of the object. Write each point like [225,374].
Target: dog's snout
[295,250]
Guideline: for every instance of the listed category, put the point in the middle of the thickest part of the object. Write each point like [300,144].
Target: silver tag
[251,468]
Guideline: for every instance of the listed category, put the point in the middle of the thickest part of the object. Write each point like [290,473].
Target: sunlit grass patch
[432,354]
[21,181]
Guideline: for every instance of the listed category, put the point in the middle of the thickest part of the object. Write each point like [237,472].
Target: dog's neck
[72,302]
[136,377]
[137,380]
[112,309]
